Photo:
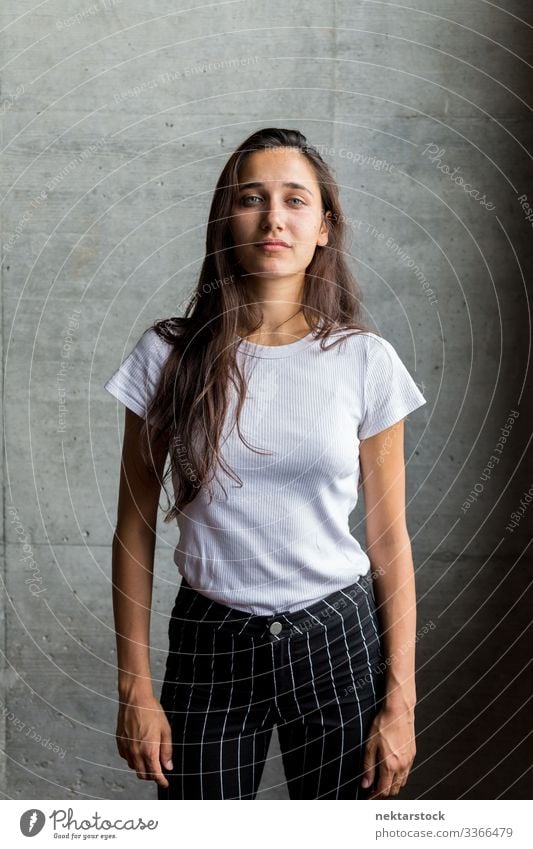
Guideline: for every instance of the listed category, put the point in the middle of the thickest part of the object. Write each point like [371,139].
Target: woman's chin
[272,269]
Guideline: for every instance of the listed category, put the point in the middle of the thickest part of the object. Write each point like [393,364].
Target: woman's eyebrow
[256,185]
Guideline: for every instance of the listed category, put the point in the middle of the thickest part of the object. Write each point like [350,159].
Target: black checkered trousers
[316,673]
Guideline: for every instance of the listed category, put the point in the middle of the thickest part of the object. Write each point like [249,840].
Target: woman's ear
[324,234]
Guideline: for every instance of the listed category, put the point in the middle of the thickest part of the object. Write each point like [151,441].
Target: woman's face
[272,210]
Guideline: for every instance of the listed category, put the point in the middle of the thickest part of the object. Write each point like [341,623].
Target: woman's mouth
[272,246]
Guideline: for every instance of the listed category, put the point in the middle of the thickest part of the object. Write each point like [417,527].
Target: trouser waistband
[193,606]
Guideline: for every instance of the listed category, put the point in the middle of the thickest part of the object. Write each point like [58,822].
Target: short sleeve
[135,381]
[390,392]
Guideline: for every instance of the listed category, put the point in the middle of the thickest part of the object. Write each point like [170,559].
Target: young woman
[272,404]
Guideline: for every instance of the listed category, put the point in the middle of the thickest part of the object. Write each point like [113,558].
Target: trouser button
[275,627]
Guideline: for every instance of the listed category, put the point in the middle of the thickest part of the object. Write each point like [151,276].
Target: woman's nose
[273,213]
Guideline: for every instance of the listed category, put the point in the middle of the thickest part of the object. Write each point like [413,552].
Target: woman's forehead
[276,166]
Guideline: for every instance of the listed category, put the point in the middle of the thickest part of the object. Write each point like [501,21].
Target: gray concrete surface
[106,189]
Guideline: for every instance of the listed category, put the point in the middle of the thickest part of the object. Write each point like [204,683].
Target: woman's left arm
[391,741]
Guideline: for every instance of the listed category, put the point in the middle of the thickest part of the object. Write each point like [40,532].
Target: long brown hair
[190,404]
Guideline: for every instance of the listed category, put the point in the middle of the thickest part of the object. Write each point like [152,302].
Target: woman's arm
[389,549]
[133,560]
[133,554]
[142,727]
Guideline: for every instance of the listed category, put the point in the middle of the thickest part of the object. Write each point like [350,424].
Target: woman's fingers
[151,766]
[142,760]
[389,784]
[396,785]
[392,746]
[145,745]
[369,764]
[165,751]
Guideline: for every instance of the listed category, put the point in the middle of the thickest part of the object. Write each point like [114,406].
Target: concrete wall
[117,119]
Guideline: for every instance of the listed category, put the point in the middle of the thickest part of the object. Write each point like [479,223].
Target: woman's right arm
[143,733]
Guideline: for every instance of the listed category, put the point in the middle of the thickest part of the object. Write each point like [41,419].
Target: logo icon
[31,822]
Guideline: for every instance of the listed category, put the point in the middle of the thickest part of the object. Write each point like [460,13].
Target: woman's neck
[281,334]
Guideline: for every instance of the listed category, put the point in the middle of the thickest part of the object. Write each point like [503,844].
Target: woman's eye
[256,197]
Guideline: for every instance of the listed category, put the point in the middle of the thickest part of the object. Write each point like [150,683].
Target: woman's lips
[273,246]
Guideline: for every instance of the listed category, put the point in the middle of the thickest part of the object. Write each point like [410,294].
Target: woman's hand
[144,738]
[391,749]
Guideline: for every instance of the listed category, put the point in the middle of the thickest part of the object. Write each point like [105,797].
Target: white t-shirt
[282,541]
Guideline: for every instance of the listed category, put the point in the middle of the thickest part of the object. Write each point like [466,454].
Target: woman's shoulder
[162,336]
[151,347]
[367,338]
[358,340]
